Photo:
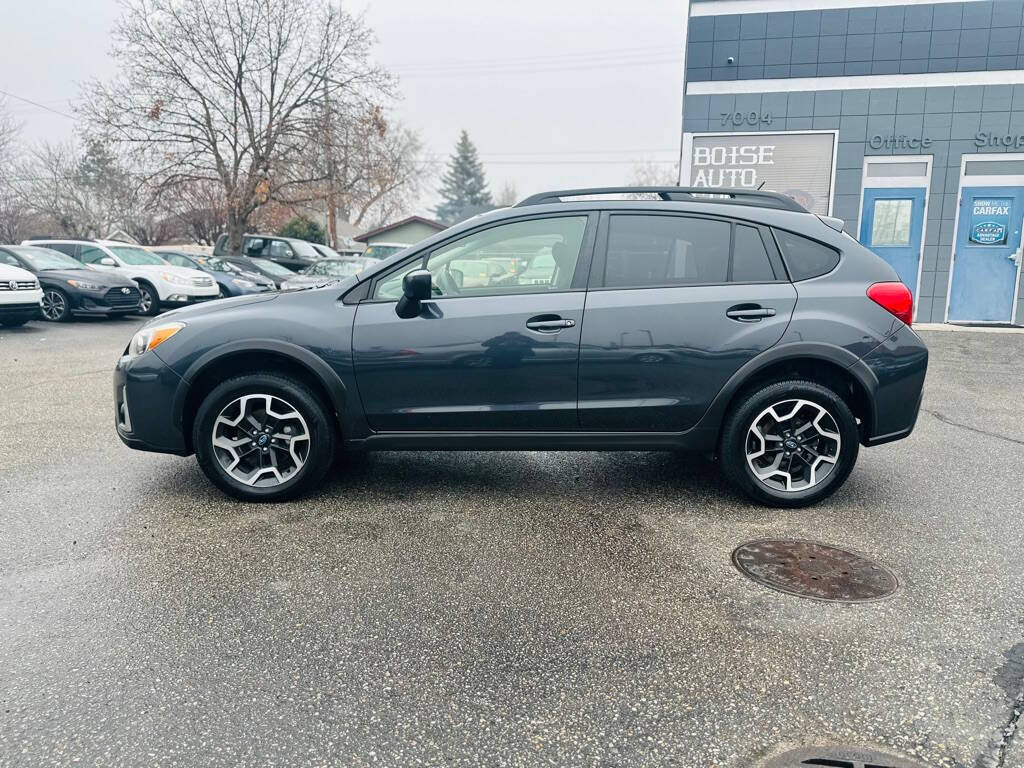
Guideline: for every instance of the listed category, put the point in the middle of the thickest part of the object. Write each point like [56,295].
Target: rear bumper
[898,365]
[146,380]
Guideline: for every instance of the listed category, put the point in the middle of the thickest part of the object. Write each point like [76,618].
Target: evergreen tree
[464,186]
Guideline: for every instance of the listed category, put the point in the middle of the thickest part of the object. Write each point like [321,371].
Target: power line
[37,104]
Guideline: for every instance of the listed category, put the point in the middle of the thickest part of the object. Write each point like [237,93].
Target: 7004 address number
[746,118]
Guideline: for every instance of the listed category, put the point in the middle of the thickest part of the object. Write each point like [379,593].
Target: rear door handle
[549,323]
[749,313]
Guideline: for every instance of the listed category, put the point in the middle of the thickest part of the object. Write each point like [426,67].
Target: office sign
[990,220]
[797,164]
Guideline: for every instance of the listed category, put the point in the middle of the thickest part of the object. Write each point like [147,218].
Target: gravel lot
[495,609]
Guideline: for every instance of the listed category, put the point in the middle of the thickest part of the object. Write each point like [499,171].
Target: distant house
[405,232]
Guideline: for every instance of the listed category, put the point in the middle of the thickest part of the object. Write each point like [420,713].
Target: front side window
[279,249]
[90,254]
[136,257]
[646,251]
[533,256]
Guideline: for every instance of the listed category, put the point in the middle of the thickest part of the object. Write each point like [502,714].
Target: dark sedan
[265,267]
[72,288]
[232,279]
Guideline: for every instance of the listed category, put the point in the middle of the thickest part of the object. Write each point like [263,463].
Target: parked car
[326,272]
[287,251]
[71,288]
[231,280]
[161,285]
[382,251]
[268,269]
[741,326]
[20,296]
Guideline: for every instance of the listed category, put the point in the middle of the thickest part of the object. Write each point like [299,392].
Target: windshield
[326,252]
[272,268]
[216,265]
[304,249]
[44,258]
[336,268]
[136,256]
[382,251]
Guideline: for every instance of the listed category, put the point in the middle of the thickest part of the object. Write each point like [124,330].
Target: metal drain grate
[839,757]
[810,569]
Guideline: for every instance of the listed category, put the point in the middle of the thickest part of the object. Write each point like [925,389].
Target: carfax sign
[990,220]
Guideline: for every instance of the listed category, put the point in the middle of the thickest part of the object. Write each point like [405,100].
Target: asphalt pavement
[496,608]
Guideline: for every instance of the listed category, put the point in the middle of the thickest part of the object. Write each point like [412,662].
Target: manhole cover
[839,757]
[809,569]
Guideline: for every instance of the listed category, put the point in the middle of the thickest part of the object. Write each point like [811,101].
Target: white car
[162,285]
[20,296]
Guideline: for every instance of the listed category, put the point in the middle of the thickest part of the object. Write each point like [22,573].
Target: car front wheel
[790,444]
[149,300]
[263,437]
[56,307]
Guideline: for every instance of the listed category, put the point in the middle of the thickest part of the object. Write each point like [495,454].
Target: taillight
[895,298]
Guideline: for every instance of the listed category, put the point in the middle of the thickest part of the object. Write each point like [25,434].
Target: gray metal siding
[890,39]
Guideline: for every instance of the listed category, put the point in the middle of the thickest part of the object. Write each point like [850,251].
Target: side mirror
[416,289]
[106,261]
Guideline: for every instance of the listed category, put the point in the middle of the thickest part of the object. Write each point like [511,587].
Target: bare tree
[15,215]
[507,195]
[651,173]
[230,92]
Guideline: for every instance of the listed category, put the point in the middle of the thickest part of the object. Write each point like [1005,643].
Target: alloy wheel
[53,305]
[793,445]
[261,440]
[145,301]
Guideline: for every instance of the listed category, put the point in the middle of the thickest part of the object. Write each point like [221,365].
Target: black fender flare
[711,422]
[332,383]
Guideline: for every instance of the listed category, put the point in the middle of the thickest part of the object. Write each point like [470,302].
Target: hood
[107,277]
[209,307]
[15,273]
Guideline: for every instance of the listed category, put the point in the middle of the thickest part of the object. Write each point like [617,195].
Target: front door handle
[749,313]
[549,323]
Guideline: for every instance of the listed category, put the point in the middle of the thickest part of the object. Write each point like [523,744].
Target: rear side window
[66,248]
[750,262]
[805,258]
[666,250]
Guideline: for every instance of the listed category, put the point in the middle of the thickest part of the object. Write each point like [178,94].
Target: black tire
[149,297]
[316,416]
[223,292]
[56,306]
[736,432]
[14,322]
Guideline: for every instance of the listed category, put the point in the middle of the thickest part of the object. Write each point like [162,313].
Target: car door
[489,351]
[677,304]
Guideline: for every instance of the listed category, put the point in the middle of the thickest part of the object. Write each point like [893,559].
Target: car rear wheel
[149,300]
[790,444]
[263,437]
[55,306]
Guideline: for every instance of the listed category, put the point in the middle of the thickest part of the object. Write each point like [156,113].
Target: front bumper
[20,311]
[144,388]
[899,365]
[110,302]
[184,299]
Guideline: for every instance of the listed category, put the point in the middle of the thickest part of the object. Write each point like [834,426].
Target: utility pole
[329,148]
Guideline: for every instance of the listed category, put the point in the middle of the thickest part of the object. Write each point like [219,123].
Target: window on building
[890,224]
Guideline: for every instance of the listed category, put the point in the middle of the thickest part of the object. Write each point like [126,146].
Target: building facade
[904,119]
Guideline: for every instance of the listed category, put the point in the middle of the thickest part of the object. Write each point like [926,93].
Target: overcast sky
[553,92]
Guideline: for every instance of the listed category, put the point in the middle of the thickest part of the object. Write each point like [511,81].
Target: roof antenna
[763,181]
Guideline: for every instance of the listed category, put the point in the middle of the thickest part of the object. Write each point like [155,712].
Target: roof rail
[727,195]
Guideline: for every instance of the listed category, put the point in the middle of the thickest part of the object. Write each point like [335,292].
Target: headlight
[241,282]
[85,285]
[151,338]
[176,279]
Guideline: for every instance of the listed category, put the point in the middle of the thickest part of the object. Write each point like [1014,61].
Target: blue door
[892,225]
[986,254]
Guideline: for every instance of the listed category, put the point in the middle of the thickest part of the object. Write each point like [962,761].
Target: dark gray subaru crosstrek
[740,326]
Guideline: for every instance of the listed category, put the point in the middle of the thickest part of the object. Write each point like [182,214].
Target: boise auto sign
[797,164]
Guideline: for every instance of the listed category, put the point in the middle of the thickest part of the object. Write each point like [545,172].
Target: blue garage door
[986,255]
[892,225]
